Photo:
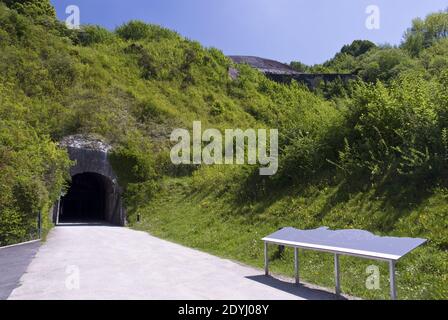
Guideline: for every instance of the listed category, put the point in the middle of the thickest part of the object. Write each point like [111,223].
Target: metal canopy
[347,242]
[351,242]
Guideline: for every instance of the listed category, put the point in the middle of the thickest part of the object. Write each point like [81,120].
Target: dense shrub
[133,160]
[384,65]
[32,7]
[358,47]
[395,130]
[138,30]
[90,34]
[33,171]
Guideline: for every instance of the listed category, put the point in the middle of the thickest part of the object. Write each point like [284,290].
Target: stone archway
[94,193]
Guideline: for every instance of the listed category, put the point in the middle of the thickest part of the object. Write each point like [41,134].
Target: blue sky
[310,31]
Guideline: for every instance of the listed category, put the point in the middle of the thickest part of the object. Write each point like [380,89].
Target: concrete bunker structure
[283,73]
[93,194]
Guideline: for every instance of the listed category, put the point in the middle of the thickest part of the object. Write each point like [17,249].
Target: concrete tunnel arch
[94,194]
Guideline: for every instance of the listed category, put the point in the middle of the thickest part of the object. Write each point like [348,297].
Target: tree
[348,59]
[385,64]
[358,47]
[299,66]
[424,33]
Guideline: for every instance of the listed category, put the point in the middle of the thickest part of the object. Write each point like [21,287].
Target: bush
[358,47]
[394,131]
[132,160]
[133,30]
[90,35]
[138,30]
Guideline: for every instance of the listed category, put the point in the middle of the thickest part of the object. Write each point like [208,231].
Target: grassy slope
[215,222]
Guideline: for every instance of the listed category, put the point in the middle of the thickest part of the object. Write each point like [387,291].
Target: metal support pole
[39,225]
[393,288]
[266,259]
[336,274]
[58,211]
[296,265]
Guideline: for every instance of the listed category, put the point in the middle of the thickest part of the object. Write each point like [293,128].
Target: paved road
[104,262]
[14,261]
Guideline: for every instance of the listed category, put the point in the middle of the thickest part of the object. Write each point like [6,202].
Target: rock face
[283,73]
[91,157]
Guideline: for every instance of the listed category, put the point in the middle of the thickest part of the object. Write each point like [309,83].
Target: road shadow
[86,223]
[14,262]
[301,290]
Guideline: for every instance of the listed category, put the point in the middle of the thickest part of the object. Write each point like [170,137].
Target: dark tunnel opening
[86,200]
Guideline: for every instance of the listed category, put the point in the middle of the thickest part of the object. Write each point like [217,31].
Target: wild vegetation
[370,154]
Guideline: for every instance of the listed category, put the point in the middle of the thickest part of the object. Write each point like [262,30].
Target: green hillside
[370,154]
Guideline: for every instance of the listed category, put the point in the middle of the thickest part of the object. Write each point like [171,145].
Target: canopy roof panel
[351,242]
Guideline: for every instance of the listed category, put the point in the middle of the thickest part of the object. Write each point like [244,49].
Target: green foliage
[425,33]
[384,65]
[138,30]
[132,160]
[32,173]
[423,48]
[91,34]
[299,66]
[349,60]
[133,30]
[342,62]
[435,58]
[358,47]
[395,130]
[32,7]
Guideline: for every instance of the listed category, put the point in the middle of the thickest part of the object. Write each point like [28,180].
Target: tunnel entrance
[94,194]
[87,199]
